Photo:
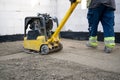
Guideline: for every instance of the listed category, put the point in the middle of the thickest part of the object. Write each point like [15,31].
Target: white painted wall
[13,12]
[117,16]
[78,20]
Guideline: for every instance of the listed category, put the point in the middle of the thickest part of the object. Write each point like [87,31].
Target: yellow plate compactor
[38,35]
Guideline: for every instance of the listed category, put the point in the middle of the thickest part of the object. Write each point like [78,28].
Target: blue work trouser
[104,15]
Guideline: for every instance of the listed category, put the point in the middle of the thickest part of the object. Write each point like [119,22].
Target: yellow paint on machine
[54,40]
[34,44]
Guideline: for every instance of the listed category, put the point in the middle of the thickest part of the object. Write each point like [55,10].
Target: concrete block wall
[13,12]
[117,16]
[78,20]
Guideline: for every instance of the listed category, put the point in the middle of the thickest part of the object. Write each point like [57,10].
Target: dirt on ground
[18,65]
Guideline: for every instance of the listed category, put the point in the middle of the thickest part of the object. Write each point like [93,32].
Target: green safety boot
[109,44]
[92,42]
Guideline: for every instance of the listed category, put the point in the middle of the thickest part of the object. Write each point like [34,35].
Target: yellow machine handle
[65,18]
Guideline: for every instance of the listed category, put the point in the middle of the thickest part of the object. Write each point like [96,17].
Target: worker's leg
[93,17]
[108,27]
[93,20]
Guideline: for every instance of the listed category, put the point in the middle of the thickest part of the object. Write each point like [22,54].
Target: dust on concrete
[7,48]
[44,67]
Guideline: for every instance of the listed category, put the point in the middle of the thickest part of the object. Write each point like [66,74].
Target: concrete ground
[76,51]
[74,62]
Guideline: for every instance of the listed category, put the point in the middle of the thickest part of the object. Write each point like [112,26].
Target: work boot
[107,49]
[92,42]
[109,44]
